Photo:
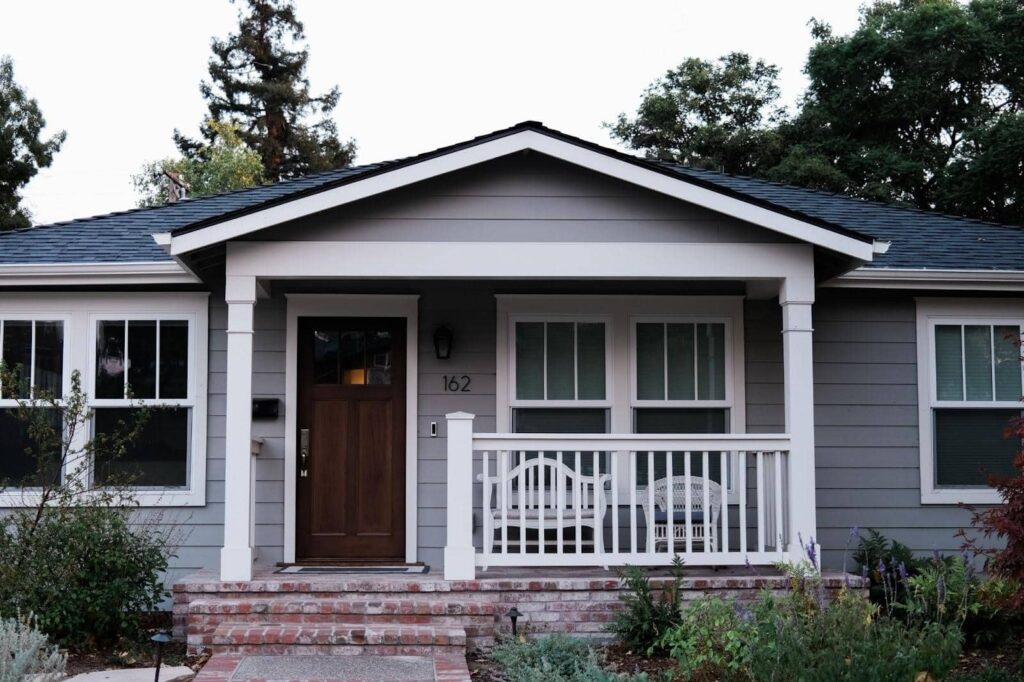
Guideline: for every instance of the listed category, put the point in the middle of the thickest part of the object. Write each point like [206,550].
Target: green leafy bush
[788,638]
[556,658]
[85,572]
[876,556]
[645,618]
[26,653]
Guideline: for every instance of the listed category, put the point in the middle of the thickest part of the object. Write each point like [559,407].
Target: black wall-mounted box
[265,408]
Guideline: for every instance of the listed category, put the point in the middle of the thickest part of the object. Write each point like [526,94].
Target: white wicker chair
[659,516]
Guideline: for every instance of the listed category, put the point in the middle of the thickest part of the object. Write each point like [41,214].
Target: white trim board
[924,278]
[403,176]
[57,274]
[352,305]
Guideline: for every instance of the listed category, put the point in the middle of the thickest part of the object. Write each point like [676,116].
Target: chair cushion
[678,516]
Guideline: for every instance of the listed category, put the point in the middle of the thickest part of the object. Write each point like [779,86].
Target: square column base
[236,564]
[459,563]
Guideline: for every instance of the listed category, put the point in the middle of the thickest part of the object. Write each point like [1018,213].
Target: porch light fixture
[513,615]
[443,338]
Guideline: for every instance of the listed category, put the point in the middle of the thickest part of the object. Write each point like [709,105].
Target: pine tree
[22,149]
[258,81]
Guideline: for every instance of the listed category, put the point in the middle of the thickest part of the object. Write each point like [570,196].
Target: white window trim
[956,311]
[80,311]
[619,374]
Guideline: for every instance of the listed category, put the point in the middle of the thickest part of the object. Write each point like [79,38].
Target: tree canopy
[23,150]
[920,105]
[258,82]
[225,164]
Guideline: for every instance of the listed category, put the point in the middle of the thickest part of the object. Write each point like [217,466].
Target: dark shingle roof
[919,239]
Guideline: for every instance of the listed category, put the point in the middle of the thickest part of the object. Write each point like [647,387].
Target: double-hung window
[142,363]
[134,352]
[970,389]
[560,370]
[33,354]
[681,384]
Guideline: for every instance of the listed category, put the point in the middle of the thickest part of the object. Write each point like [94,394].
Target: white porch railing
[604,500]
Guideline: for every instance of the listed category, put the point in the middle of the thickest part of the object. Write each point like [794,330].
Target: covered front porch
[495,470]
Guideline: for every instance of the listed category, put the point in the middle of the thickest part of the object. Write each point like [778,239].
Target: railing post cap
[460,416]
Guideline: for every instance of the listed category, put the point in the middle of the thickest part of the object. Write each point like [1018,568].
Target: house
[527,351]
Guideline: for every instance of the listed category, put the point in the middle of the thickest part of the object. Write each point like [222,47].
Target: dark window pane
[679,421]
[173,359]
[978,361]
[325,357]
[142,358]
[711,362]
[561,361]
[50,358]
[157,458]
[17,355]
[110,359]
[1008,369]
[949,370]
[681,382]
[591,355]
[20,464]
[530,360]
[650,361]
[351,357]
[563,420]
[969,444]
[378,357]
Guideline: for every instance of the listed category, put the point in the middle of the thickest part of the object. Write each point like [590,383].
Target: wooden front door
[351,439]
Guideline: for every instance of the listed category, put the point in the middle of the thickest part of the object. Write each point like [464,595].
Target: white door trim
[351,305]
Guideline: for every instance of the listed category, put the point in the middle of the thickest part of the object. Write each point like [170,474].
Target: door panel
[351,500]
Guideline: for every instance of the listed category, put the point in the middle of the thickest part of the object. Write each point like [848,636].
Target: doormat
[341,570]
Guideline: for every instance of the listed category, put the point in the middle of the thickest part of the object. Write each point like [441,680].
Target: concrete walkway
[167,674]
[353,668]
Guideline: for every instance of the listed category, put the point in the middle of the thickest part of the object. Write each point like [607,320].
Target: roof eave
[929,278]
[110,273]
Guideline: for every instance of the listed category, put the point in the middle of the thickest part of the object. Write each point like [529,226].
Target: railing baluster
[688,497]
[542,490]
[670,506]
[650,502]
[631,462]
[778,502]
[488,539]
[707,506]
[505,484]
[760,502]
[724,544]
[523,492]
[614,465]
[741,491]
[577,490]
[559,502]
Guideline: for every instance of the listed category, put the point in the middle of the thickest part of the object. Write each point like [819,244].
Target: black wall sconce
[443,338]
[514,615]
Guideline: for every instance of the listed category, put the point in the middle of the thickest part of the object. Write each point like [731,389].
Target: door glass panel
[110,359]
[378,358]
[17,356]
[142,358]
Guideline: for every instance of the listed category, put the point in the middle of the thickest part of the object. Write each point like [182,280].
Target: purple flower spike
[812,553]
[941,589]
[855,532]
[902,568]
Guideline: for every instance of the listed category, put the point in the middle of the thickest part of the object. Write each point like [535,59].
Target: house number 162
[456,384]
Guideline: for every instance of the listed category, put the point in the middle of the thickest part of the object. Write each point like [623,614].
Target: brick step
[340,606]
[378,639]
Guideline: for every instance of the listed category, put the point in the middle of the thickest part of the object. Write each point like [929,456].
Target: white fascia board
[58,274]
[518,260]
[662,183]
[924,278]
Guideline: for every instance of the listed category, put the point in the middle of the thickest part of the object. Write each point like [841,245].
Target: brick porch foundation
[422,615]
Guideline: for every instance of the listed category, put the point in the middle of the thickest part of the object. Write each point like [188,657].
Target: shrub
[877,555]
[26,653]
[788,638]
[85,572]
[645,618]
[556,658]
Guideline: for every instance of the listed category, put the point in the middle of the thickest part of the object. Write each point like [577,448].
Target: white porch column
[459,555]
[796,296]
[236,556]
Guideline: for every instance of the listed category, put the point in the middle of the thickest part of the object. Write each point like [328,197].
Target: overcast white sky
[120,75]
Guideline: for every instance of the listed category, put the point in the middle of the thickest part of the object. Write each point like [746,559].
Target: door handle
[303,453]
